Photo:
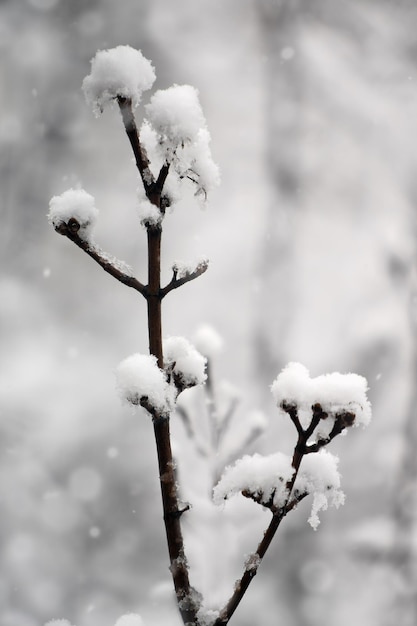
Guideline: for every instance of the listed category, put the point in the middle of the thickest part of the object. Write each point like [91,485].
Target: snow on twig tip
[75,211]
[264,477]
[185,362]
[335,394]
[175,132]
[141,382]
[118,72]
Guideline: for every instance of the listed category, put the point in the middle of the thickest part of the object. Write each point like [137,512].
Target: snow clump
[175,132]
[319,476]
[140,381]
[183,360]
[264,477]
[121,71]
[336,393]
[149,214]
[74,204]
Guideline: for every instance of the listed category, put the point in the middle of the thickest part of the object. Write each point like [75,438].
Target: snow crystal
[334,392]
[130,619]
[139,377]
[208,341]
[263,476]
[76,204]
[121,71]
[318,475]
[184,361]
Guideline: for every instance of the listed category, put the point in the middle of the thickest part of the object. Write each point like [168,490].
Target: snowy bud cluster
[336,395]
[140,381]
[182,360]
[73,211]
[175,132]
[266,479]
[119,72]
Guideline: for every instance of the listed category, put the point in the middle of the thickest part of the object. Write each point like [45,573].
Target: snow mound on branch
[139,380]
[176,115]
[266,478]
[149,214]
[175,132]
[319,476]
[335,393]
[121,71]
[262,476]
[77,204]
[184,361]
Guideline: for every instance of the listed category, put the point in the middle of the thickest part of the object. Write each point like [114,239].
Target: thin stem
[242,585]
[169,492]
[141,158]
[277,517]
[154,295]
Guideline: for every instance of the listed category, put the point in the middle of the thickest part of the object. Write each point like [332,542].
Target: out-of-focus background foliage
[312,109]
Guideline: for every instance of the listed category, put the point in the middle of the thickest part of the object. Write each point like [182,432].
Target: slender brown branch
[141,158]
[277,517]
[70,230]
[169,491]
[185,278]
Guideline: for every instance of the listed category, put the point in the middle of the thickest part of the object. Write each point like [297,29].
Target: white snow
[266,477]
[182,268]
[139,377]
[334,392]
[263,476]
[58,622]
[176,115]
[121,71]
[208,341]
[175,132]
[77,204]
[182,358]
[148,212]
[130,619]
[318,475]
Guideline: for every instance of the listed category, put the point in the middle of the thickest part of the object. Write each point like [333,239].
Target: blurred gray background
[312,109]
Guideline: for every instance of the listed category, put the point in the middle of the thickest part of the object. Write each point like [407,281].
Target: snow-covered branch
[172,149]
[182,274]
